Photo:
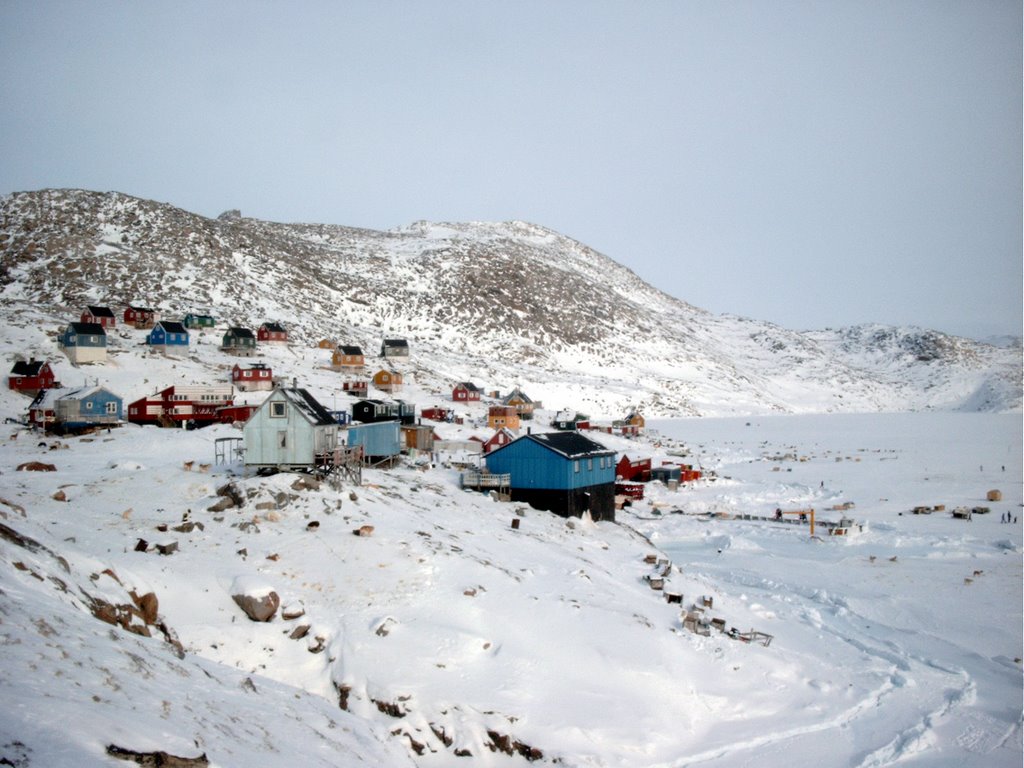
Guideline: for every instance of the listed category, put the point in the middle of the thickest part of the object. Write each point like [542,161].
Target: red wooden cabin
[31,376]
[272,333]
[102,316]
[466,392]
[255,377]
[638,470]
[140,317]
[437,413]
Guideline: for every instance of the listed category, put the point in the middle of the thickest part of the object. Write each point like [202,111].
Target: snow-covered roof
[47,398]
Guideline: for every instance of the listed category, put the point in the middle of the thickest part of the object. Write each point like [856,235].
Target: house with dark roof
[198,320]
[466,392]
[371,411]
[140,317]
[31,375]
[347,356]
[84,342]
[103,316]
[239,341]
[290,430]
[168,336]
[394,348]
[272,333]
[562,472]
[521,402]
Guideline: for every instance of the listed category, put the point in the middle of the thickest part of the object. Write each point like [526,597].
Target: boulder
[220,506]
[257,600]
[231,491]
[260,608]
[36,466]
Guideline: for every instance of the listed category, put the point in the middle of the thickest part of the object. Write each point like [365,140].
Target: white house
[290,430]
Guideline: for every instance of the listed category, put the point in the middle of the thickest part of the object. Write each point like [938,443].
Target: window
[590,465]
[72,339]
[111,408]
[576,466]
[277,411]
[94,339]
[247,374]
[282,437]
[88,405]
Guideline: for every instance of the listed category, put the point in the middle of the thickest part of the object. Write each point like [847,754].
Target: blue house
[562,472]
[168,336]
[84,342]
[71,410]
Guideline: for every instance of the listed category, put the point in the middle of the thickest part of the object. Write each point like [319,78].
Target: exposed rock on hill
[503,302]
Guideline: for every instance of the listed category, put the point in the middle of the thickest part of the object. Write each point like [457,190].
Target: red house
[356,388]
[272,333]
[500,438]
[102,316]
[466,391]
[140,317]
[192,406]
[235,413]
[31,376]
[254,378]
[638,470]
[437,413]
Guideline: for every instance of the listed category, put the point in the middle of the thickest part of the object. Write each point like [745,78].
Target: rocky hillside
[498,303]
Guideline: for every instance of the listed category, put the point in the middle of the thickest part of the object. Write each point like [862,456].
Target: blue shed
[563,472]
[381,440]
[169,335]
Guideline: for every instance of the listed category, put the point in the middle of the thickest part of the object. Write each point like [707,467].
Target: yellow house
[387,381]
[506,416]
[347,357]
[521,402]
[634,419]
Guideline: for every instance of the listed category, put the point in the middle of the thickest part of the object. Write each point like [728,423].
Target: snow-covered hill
[448,636]
[496,303]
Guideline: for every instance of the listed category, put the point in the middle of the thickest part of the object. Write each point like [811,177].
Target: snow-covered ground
[451,634]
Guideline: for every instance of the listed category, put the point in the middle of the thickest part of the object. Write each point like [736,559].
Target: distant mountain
[498,303]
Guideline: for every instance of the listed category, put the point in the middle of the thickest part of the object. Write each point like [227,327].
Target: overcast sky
[815,164]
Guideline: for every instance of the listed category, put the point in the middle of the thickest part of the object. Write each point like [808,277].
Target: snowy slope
[499,303]
[449,638]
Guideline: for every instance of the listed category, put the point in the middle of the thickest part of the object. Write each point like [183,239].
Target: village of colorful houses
[562,468]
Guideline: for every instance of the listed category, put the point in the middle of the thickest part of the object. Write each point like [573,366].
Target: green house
[193,320]
[239,341]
